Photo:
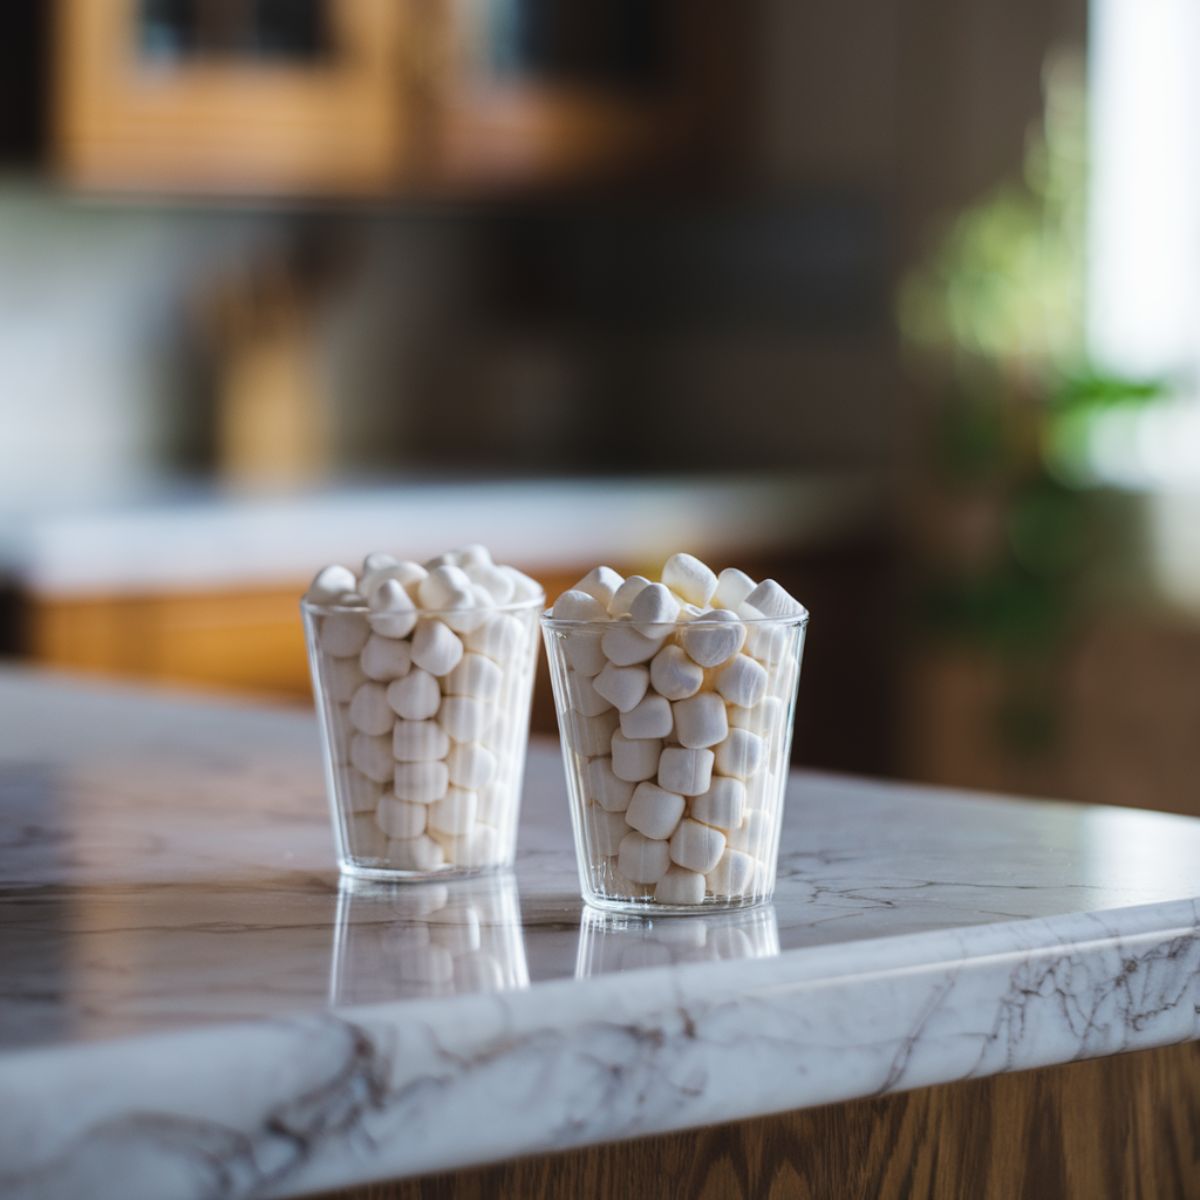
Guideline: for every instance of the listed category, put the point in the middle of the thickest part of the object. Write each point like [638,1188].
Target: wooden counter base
[1124,1127]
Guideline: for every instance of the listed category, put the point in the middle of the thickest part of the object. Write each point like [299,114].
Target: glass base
[397,875]
[652,908]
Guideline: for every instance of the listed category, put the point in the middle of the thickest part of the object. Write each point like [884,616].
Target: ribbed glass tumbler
[676,771]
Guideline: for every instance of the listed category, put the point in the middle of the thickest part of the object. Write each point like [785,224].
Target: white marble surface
[189,1006]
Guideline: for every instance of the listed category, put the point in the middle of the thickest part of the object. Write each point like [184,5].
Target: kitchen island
[191,1005]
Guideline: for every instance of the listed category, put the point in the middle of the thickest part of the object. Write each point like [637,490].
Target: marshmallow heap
[674,709]
[427,677]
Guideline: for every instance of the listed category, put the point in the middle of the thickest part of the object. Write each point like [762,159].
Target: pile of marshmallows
[419,666]
[673,708]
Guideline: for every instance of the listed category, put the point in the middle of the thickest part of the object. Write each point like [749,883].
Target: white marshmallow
[416,854]
[741,753]
[357,793]
[614,883]
[329,583]
[465,618]
[525,589]
[604,788]
[341,678]
[650,718]
[393,613]
[578,606]
[590,736]
[476,554]
[584,697]
[499,636]
[688,577]
[369,710]
[624,596]
[419,741]
[700,721]
[478,847]
[623,645]
[420,782]
[471,766]
[385,658]
[732,875]
[642,859]
[601,584]
[494,804]
[476,675]
[766,641]
[714,638]
[722,805]
[678,886]
[454,813]
[400,818]
[344,634]
[415,697]
[622,687]
[465,718]
[377,563]
[763,718]
[635,759]
[435,648]
[674,675]
[697,847]
[605,830]
[753,835]
[742,681]
[688,772]
[497,583]
[733,586]
[771,600]
[583,651]
[445,587]
[654,611]
[653,811]
[372,756]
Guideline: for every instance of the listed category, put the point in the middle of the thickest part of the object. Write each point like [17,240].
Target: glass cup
[423,770]
[686,820]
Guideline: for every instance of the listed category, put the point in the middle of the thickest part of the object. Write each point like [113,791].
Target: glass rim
[792,620]
[314,606]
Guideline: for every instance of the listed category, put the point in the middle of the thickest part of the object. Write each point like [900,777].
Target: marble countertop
[190,1006]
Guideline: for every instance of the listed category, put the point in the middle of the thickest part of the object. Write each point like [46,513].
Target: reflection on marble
[190,1007]
[620,942]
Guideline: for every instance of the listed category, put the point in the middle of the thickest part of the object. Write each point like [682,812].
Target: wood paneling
[1116,1128]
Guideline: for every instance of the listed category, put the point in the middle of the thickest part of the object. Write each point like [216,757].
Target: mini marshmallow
[679,886]
[445,587]
[771,600]
[524,588]
[435,648]
[415,697]
[733,586]
[590,736]
[689,578]
[341,678]
[393,613]
[359,794]
[385,658]
[420,782]
[673,675]
[344,634]
[765,716]
[642,859]
[605,788]
[653,811]
[722,805]
[753,834]
[650,718]
[475,675]
[330,583]
[372,756]
[478,847]
[465,718]
[416,854]
[498,637]
[493,805]
[476,554]
[696,847]
[601,584]
[400,818]
[465,618]
[497,583]
[654,611]
[584,652]
[584,697]
[740,754]
[624,646]
[624,596]
[622,687]
[714,638]
[605,830]
[471,765]
[454,813]
[369,710]
[688,772]
[419,741]
[732,875]
[700,721]
[573,605]
[765,641]
[375,566]
[635,759]
[742,681]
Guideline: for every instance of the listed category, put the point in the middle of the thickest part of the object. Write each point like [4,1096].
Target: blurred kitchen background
[898,301]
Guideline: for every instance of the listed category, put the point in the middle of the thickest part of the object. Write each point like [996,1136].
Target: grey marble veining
[191,1005]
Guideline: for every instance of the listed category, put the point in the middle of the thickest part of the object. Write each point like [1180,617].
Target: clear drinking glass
[423,771]
[687,822]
